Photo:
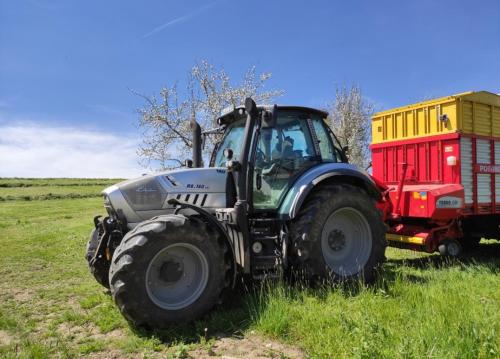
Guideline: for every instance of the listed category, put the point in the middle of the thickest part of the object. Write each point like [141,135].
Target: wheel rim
[346,241]
[176,276]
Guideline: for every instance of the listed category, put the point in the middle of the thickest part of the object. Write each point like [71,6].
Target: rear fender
[327,172]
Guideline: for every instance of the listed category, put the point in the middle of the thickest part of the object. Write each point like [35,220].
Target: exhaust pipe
[197,158]
[246,176]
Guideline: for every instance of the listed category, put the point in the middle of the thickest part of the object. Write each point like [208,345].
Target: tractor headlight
[107,206]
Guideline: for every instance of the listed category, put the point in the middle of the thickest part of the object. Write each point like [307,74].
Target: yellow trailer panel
[404,239]
[469,112]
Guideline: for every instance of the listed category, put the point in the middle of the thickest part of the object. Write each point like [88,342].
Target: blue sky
[66,66]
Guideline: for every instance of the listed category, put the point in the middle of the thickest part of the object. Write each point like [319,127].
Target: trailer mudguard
[342,172]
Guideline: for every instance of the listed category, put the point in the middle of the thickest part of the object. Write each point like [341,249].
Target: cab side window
[328,152]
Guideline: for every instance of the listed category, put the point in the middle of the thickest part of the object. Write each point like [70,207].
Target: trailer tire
[169,269]
[101,274]
[338,234]
[450,248]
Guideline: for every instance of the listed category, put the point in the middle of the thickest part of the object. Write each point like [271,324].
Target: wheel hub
[346,241]
[453,248]
[176,276]
[171,271]
[336,240]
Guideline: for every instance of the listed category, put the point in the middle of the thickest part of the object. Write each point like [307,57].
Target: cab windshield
[298,141]
[233,140]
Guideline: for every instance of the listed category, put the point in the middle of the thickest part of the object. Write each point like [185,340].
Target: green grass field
[28,189]
[50,306]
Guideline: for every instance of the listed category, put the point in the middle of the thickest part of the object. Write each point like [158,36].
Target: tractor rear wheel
[100,273]
[169,269]
[339,234]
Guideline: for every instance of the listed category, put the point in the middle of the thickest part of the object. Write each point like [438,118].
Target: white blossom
[164,120]
[349,119]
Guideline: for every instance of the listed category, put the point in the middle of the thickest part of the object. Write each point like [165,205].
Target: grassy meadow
[28,189]
[423,306]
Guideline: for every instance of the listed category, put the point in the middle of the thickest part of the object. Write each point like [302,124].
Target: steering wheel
[276,165]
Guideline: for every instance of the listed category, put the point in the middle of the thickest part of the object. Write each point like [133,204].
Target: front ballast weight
[104,239]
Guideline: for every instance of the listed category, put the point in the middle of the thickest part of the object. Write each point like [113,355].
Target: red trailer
[439,162]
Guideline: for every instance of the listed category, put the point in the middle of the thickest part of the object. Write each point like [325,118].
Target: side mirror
[188,163]
[345,149]
[228,153]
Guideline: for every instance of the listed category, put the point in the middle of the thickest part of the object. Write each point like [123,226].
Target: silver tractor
[278,197]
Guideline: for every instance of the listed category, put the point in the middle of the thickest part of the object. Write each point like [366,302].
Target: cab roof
[232,113]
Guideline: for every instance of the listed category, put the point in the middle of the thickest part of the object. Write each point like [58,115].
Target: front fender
[307,181]
[210,219]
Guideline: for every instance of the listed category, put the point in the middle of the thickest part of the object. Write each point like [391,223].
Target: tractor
[279,196]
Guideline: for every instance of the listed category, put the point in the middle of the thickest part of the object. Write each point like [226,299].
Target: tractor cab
[289,141]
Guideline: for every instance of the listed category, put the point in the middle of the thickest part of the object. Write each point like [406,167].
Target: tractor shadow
[249,301]
[231,319]
[242,308]
[244,305]
[486,254]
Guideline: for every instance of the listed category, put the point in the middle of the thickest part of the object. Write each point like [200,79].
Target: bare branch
[349,118]
[165,122]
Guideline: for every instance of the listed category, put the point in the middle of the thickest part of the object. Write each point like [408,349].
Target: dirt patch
[5,338]
[23,296]
[251,346]
[19,295]
[109,354]
[80,333]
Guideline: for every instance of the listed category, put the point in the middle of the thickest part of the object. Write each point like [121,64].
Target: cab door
[282,154]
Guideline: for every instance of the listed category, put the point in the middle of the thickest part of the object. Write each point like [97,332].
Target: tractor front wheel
[169,269]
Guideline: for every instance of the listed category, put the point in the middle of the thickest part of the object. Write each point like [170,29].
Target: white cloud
[32,150]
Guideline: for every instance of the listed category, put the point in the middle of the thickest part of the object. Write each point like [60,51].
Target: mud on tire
[156,257]
[338,234]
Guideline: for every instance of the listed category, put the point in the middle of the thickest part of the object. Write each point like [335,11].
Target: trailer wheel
[100,273]
[169,269]
[450,248]
[339,233]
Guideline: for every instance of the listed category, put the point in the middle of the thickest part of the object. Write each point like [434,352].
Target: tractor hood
[141,198]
